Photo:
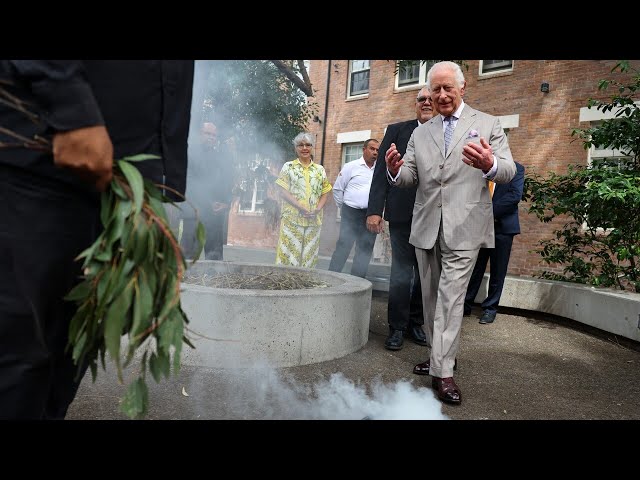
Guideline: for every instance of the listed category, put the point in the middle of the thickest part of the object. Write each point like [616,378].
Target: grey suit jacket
[450,189]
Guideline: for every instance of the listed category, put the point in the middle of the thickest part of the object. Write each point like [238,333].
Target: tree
[252,103]
[600,242]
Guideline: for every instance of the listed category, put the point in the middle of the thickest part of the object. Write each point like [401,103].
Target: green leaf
[135,182]
[143,310]
[201,239]
[80,291]
[158,209]
[117,225]
[140,157]
[115,186]
[140,241]
[79,346]
[154,367]
[136,400]
[164,364]
[115,319]
[105,206]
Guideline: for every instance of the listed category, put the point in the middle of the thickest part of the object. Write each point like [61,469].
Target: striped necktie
[448,133]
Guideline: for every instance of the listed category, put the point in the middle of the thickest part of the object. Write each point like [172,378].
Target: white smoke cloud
[269,394]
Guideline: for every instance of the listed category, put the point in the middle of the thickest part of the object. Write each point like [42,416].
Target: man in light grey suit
[451,161]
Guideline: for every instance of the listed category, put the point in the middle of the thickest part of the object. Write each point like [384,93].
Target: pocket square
[473,134]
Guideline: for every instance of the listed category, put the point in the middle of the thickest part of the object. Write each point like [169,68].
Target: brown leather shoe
[423,368]
[447,390]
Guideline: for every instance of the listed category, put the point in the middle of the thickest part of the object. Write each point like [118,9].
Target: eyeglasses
[302,145]
[422,99]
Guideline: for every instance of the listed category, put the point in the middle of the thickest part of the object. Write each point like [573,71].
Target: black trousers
[499,258]
[216,235]
[42,229]
[405,296]
[353,229]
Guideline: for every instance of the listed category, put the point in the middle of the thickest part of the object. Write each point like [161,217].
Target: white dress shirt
[353,184]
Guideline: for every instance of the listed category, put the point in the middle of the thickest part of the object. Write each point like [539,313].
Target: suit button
[441,166]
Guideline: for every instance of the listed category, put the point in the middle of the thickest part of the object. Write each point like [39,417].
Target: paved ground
[524,366]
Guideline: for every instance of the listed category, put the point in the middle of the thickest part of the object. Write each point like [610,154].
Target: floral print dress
[299,240]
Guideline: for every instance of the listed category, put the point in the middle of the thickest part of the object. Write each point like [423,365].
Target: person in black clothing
[404,310]
[505,199]
[210,183]
[92,112]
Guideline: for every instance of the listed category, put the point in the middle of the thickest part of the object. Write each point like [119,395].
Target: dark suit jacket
[397,203]
[144,104]
[506,197]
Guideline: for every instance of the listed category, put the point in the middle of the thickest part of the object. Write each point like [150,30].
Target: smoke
[237,101]
[268,394]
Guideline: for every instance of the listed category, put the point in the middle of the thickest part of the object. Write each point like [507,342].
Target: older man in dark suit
[404,310]
[506,225]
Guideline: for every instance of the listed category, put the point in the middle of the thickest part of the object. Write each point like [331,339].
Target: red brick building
[364,96]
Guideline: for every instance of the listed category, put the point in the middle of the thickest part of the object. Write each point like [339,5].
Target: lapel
[435,129]
[464,123]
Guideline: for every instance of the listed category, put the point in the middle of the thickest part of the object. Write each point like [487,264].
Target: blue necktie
[448,133]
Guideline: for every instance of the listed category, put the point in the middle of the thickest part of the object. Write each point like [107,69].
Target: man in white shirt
[351,193]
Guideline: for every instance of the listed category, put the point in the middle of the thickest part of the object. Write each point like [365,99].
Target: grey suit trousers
[444,274]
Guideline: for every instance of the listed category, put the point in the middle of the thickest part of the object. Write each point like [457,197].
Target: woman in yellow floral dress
[303,189]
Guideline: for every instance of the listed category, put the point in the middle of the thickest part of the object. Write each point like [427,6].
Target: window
[358,77]
[253,189]
[606,153]
[615,157]
[412,73]
[408,72]
[252,196]
[595,118]
[495,66]
[351,152]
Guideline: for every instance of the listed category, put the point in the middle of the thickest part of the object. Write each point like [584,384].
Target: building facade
[539,103]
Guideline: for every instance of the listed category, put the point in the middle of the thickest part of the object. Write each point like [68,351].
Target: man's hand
[86,151]
[393,159]
[375,224]
[478,156]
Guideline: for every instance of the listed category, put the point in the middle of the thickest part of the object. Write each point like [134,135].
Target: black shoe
[394,340]
[467,312]
[487,317]
[417,335]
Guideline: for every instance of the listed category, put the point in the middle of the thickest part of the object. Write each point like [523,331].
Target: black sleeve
[508,203]
[379,184]
[62,90]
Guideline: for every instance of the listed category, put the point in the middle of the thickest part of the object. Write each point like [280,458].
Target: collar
[457,113]
[298,162]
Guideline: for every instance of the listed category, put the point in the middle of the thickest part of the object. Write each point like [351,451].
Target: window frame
[495,70]
[422,76]
[254,210]
[361,94]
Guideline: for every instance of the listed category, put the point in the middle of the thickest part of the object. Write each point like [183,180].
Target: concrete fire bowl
[235,327]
